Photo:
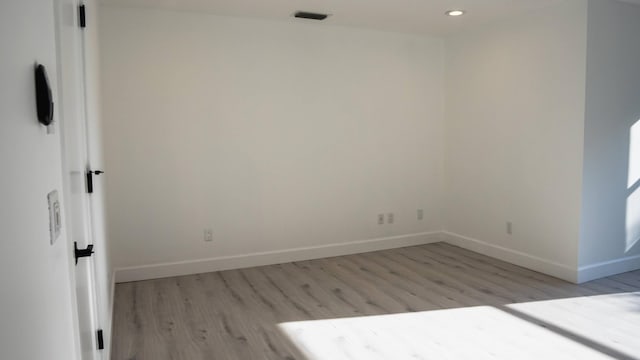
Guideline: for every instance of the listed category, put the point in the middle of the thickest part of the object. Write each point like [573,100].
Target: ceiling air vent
[310,15]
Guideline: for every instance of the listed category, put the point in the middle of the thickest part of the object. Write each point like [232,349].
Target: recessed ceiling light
[455,12]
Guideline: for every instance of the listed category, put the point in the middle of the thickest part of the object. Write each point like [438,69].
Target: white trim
[608,268]
[107,349]
[513,256]
[583,274]
[179,268]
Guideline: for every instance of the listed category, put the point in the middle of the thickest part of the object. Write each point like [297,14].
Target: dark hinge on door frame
[100,339]
[82,16]
[90,179]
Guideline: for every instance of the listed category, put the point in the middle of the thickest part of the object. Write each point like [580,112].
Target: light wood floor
[434,301]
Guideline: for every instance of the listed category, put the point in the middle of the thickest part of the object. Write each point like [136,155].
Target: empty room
[320,180]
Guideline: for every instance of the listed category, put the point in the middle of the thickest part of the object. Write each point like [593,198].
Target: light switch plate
[55,217]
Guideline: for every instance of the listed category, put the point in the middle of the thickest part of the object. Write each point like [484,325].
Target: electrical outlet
[420,214]
[390,218]
[380,219]
[509,228]
[208,234]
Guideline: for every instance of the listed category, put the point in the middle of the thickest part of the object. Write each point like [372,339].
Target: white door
[73,127]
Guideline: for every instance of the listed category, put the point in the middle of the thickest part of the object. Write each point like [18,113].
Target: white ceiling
[414,16]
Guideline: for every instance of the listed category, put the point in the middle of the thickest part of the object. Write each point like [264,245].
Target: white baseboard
[583,274]
[514,257]
[156,271]
[608,268]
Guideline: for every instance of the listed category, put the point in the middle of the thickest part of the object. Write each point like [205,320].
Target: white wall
[277,135]
[514,137]
[36,302]
[611,202]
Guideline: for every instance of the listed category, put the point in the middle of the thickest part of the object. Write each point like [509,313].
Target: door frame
[66,13]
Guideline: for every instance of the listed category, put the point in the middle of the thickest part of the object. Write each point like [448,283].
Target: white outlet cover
[208,235]
[55,217]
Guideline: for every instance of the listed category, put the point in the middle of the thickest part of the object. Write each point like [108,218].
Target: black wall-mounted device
[44,97]
[310,15]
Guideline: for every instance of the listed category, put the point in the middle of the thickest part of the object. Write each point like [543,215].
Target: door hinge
[82,16]
[90,179]
[80,253]
[100,339]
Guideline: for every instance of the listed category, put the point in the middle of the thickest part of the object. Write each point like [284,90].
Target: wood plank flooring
[434,301]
